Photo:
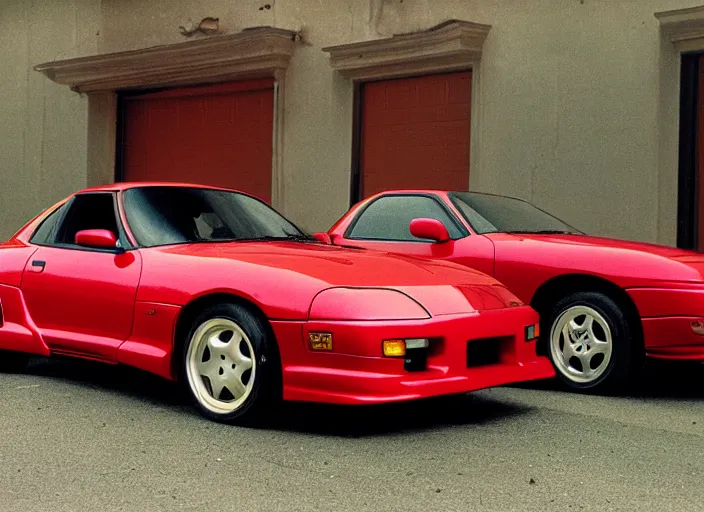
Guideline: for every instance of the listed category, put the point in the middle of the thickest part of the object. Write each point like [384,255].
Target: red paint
[218,135]
[365,304]
[283,278]
[18,329]
[150,345]
[12,262]
[83,300]
[98,238]
[124,308]
[322,237]
[672,338]
[354,374]
[430,229]
[662,281]
[416,132]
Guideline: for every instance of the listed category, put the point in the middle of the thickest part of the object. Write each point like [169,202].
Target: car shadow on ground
[659,380]
[319,419]
[121,380]
[666,380]
[465,411]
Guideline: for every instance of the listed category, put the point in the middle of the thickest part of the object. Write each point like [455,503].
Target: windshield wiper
[299,238]
[283,238]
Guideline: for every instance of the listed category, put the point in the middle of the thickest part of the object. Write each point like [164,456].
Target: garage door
[415,133]
[217,135]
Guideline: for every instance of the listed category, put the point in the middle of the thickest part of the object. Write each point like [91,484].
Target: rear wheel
[589,342]
[229,364]
[13,362]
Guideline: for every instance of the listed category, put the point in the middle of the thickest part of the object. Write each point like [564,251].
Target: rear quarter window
[46,232]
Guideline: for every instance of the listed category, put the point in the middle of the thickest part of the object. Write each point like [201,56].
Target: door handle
[38,265]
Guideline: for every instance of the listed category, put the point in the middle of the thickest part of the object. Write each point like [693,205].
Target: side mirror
[322,237]
[431,229]
[96,238]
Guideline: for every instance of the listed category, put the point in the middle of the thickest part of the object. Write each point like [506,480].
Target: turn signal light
[532,332]
[398,348]
[394,348]
[320,340]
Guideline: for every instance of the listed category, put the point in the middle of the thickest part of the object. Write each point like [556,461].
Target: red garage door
[415,133]
[217,135]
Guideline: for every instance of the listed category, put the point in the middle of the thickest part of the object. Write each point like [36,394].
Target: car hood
[441,287]
[608,255]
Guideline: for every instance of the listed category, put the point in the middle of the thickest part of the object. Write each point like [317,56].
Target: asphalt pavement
[80,436]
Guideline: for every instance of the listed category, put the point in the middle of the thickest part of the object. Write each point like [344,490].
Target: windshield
[173,215]
[488,213]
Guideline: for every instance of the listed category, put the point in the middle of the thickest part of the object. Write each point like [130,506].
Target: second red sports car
[215,289]
[604,303]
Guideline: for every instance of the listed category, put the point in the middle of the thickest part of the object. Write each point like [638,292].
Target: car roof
[125,185]
[440,192]
[412,191]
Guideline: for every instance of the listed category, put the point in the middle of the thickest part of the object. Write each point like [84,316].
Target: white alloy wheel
[581,344]
[220,365]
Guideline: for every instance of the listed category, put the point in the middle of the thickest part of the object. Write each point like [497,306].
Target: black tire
[266,388]
[13,362]
[617,372]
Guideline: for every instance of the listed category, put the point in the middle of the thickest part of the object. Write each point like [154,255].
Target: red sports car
[604,303]
[215,289]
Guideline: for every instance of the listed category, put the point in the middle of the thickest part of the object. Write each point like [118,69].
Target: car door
[81,298]
[384,225]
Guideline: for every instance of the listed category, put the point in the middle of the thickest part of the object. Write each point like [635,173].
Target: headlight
[365,304]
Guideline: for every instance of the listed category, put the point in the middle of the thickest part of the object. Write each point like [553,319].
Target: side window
[87,211]
[46,231]
[389,218]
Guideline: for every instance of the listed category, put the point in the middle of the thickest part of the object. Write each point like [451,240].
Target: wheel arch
[189,312]
[555,288]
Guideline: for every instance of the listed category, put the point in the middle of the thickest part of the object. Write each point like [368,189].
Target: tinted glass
[389,218]
[172,215]
[88,211]
[491,214]
[47,229]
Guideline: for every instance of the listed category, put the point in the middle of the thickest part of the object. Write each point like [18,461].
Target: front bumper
[668,316]
[355,372]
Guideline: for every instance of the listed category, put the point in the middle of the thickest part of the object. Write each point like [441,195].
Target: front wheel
[589,342]
[228,364]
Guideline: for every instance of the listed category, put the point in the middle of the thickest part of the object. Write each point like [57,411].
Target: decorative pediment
[684,27]
[450,46]
[252,53]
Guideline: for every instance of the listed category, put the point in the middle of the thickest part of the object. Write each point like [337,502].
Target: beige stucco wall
[575,108]
[43,128]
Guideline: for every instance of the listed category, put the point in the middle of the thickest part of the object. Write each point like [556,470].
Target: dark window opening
[88,211]
[687,196]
